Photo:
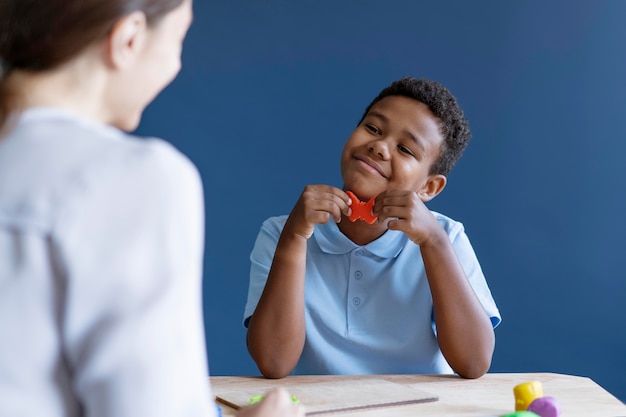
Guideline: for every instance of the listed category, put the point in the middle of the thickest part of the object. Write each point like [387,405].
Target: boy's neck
[360,232]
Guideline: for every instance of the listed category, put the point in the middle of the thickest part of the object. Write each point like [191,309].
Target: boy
[404,294]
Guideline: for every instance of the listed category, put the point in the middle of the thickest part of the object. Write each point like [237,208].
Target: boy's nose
[379,148]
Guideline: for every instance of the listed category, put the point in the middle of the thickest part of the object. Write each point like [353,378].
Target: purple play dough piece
[545,407]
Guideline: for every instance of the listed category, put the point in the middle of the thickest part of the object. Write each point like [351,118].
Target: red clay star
[361,210]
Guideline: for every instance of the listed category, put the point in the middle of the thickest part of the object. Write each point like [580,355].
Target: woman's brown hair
[39,35]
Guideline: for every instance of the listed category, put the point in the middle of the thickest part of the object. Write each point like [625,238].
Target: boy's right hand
[277,403]
[317,204]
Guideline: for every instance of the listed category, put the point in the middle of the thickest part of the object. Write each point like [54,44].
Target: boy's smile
[393,147]
[370,165]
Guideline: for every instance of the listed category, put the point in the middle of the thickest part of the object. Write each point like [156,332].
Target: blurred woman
[101,233]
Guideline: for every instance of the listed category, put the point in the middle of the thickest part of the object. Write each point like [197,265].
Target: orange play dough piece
[361,210]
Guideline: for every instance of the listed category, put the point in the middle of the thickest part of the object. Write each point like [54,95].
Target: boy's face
[392,148]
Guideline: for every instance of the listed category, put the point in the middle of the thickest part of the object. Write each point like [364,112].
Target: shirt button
[359,252]
[358,275]
[356,301]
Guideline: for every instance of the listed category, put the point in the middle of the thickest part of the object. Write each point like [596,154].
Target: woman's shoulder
[55,139]
[51,159]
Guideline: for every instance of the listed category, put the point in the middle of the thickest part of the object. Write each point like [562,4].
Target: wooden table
[491,395]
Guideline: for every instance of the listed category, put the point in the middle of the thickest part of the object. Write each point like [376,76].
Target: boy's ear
[434,185]
[126,39]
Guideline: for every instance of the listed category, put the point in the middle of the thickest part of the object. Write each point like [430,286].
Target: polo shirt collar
[331,240]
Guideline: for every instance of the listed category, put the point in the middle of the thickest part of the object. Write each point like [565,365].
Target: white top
[101,245]
[368,309]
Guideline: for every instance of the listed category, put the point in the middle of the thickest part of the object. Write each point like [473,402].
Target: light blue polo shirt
[368,309]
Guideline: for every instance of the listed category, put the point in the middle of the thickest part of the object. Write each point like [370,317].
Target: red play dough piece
[361,210]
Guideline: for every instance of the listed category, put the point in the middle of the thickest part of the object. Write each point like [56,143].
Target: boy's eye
[405,150]
[372,129]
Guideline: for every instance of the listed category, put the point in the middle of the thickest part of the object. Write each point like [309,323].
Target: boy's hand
[317,204]
[405,211]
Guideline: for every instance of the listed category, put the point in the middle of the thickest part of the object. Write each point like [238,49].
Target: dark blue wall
[271,89]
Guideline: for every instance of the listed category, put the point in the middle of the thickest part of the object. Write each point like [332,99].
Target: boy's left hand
[405,211]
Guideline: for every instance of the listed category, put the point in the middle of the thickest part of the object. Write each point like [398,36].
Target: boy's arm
[464,330]
[276,331]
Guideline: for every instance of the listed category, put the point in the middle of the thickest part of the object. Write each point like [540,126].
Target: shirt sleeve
[469,261]
[261,259]
[130,248]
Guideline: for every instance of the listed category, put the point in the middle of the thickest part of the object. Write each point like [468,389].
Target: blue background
[270,90]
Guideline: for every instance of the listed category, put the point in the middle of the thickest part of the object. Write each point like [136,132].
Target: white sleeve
[131,249]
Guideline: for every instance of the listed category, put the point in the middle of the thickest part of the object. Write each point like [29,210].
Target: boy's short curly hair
[454,127]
